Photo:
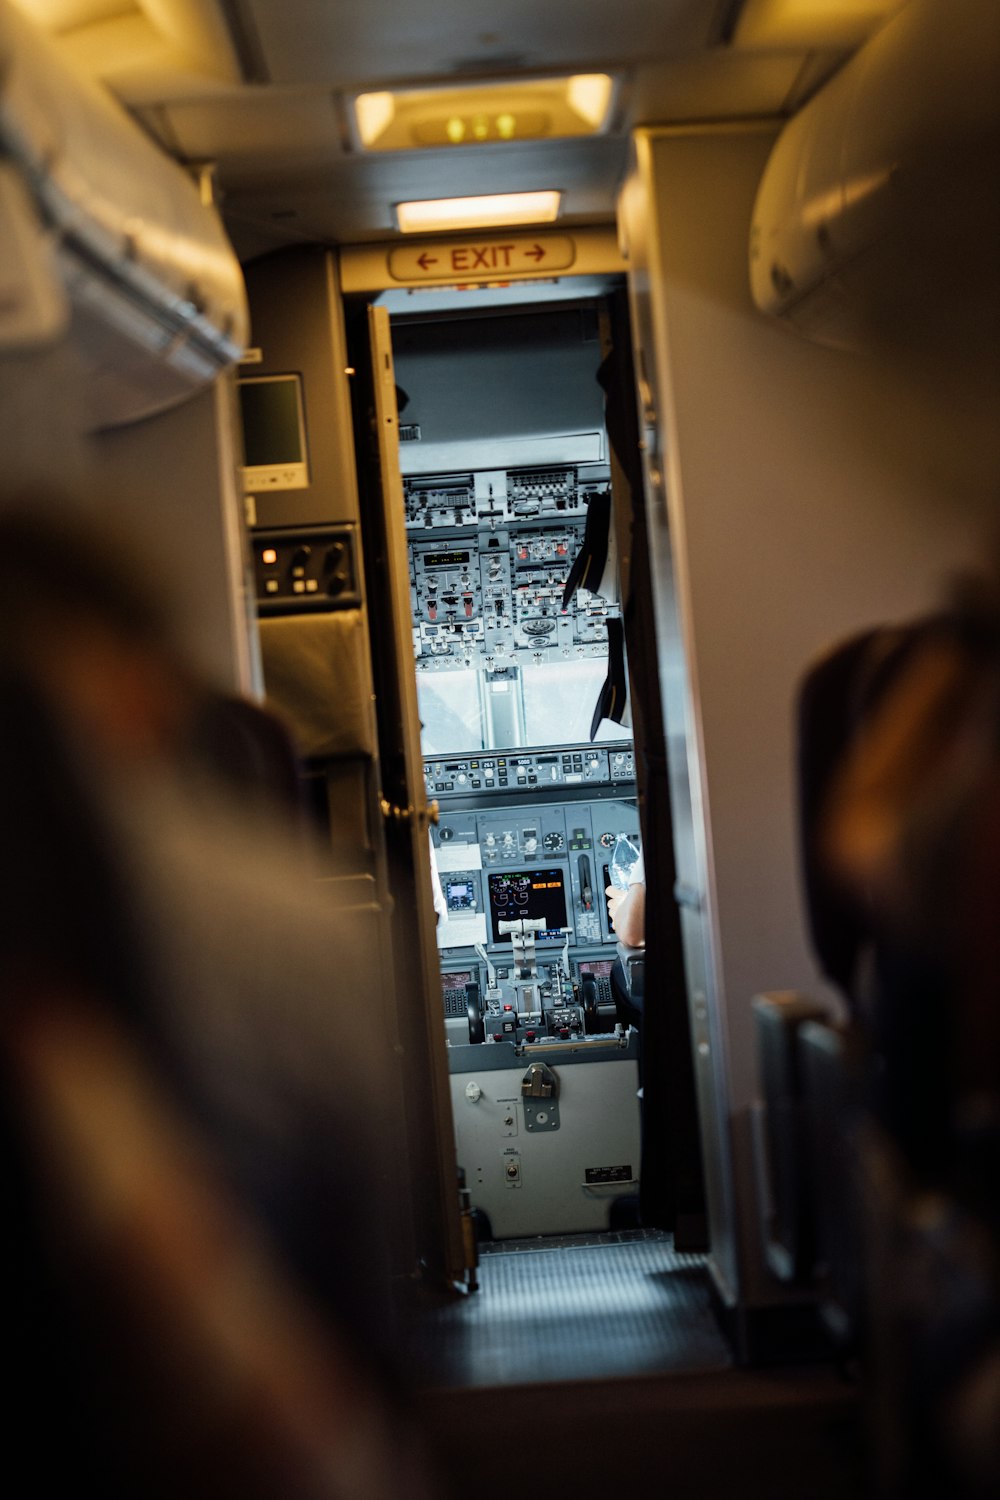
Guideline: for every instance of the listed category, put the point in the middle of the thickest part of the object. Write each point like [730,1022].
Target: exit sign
[487,259]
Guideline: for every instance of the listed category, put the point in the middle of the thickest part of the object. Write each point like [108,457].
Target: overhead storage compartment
[876,216]
[129,261]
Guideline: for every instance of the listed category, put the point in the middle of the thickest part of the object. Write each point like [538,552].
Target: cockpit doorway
[518,530]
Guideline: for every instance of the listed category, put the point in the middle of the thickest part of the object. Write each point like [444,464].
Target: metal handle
[393,813]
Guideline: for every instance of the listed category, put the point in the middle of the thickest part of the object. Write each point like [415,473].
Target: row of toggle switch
[586,765]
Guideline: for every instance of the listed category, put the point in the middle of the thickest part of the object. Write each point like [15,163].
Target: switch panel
[486,586]
[305,569]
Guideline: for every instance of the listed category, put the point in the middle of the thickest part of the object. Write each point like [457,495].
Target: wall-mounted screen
[516,895]
[274,432]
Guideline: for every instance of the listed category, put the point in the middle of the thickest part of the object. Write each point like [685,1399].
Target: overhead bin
[876,215]
[109,241]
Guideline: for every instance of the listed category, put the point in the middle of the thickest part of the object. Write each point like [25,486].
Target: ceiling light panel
[495,211]
[480,114]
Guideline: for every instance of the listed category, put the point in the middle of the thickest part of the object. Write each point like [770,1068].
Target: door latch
[539,1098]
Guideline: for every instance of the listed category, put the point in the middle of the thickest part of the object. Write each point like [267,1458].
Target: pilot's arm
[627,912]
[440,904]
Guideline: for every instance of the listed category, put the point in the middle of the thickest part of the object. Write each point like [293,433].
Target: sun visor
[153,285]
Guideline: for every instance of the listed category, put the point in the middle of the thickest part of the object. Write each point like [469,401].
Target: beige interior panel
[317,677]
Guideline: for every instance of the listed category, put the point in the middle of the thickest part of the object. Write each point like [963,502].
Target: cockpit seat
[628,981]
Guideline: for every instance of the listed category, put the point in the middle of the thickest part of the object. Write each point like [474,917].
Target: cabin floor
[588,1364]
[594,1306]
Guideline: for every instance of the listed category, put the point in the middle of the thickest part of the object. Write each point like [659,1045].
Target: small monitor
[600,968]
[274,432]
[460,895]
[455,979]
[531,894]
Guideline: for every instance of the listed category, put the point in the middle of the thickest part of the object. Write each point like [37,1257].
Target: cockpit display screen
[460,895]
[516,895]
[456,559]
[600,968]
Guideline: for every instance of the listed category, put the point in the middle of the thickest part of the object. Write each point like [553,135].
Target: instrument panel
[577,839]
[579,769]
[486,587]
[498,496]
[546,976]
[525,833]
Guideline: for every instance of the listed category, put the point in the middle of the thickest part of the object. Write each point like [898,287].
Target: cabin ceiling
[259,89]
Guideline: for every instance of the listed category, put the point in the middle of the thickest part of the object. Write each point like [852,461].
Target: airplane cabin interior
[575,437]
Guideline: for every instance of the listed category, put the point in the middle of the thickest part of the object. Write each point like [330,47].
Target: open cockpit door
[406,814]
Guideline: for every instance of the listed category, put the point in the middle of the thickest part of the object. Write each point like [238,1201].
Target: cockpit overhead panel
[494,497]
[489,593]
[433,502]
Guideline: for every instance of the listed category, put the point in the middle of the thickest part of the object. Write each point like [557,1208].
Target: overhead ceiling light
[475,114]
[491,212]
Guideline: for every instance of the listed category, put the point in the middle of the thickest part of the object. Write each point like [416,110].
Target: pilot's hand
[627,911]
